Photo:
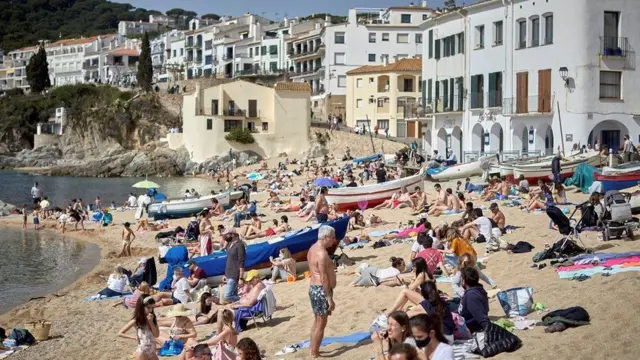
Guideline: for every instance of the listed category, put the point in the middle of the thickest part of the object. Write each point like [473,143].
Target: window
[408,85]
[372,57]
[382,101]
[477,88]
[208,45]
[265,126]
[522,34]
[385,36]
[535,31]
[342,81]
[383,124]
[181,52]
[209,124]
[497,33]
[208,59]
[358,103]
[359,82]
[460,42]
[273,66]
[403,38]
[495,89]
[250,52]
[425,16]
[610,85]
[339,58]
[430,44]
[338,38]
[174,53]
[230,124]
[548,29]
[418,38]
[480,37]
[371,80]
[405,18]
[273,49]
[372,37]
[263,50]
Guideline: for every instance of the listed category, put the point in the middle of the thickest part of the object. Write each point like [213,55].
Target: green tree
[38,71]
[211,16]
[181,12]
[145,69]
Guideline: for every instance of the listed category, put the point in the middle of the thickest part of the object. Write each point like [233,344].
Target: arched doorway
[609,133]
[456,142]
[477,138]
[441,144]
[520,138]
[544,139]
[496,138]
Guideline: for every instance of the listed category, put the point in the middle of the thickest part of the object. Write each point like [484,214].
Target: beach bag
[462,331]
[171,347]
[516,301]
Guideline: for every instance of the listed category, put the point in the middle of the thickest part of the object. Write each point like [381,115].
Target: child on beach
[25,214]
[127,238]
[36,217]
[63,221]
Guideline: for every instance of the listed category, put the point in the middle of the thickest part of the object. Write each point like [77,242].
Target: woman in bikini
[180,326]
[146,325]
[206,313]
[389,203]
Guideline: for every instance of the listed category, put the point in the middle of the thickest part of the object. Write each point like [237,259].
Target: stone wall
[43,140]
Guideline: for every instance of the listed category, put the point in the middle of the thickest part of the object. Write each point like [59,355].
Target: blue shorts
[175,301]
[36,220]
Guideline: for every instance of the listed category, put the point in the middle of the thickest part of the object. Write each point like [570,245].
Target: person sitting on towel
[474,305]
[116,284]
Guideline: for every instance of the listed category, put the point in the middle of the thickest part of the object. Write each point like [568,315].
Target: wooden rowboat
[367,196]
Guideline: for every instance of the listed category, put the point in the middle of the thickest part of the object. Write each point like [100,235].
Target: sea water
[35,263]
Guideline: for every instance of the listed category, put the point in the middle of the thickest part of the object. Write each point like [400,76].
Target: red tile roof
[293,86]
[402,65]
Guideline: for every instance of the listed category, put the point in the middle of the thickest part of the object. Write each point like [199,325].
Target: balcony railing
[233,112]
[87,66]
[251,72]
[227,57]
[614,46]
[449,104]
[494,98]
[477,100]
[294,53]
[528,105]
[242,54]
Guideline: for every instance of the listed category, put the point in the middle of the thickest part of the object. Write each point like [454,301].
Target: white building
[508,74]
[161,52]
[162,20]
[127,28]
[305,50]
[367,38]
[13,72]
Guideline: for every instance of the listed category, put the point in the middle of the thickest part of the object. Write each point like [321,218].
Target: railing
[242,55]
[233,112]
[227,57]
[522,44]
[477,100]
[494,98]
[259,72]
[528,105]
[614,46]
[318,92]
[449,104]
[313,51]
[87,66]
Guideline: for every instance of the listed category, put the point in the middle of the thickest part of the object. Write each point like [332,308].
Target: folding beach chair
[263,309]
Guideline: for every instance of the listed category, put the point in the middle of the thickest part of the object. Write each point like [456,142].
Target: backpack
[22,337]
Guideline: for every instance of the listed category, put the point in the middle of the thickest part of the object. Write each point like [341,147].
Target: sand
[88,330]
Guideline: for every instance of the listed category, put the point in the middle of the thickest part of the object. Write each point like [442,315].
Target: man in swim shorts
[321,285]
[322,207]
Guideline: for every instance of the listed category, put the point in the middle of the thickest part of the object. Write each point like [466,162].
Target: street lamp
[564,74]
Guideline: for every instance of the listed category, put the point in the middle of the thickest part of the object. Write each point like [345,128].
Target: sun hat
[251,274]
[179,310]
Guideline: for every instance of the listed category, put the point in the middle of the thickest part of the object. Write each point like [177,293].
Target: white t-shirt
[417,247]
[179,292]
[443,352]
[387,273]
[484,227]
[164,249]
[132,201]
[117,284]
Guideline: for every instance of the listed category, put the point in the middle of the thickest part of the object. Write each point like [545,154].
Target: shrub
[240,135]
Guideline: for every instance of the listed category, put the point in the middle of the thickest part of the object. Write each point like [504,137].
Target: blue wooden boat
[367,158]
[619,181]
[257,255]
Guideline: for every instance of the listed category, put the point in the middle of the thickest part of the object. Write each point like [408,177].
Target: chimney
[424,3]
[258,30]
[353,16]
[286,22]
[327,20]
[394,59]
[317,26]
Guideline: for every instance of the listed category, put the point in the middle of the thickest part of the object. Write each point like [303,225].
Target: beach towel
[588,258]
[171,347]
[379,233]
[354,338]
[356,245]
[611,262]
[597,270]
[100,297]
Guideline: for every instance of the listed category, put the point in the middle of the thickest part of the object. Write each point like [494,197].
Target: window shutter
[460,93]
[437,49]
[451,88]
[437,92]
[429,91]
[424,92]
[474,90]
[430,44]
[461,43]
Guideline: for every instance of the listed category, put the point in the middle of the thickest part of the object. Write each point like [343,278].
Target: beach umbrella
[146,184]
[325,182]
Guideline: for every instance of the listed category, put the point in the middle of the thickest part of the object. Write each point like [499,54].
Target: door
[253,108]
[522,93]
[611,139]
[214,107]
[611,26]
[544,91]
[411,129]
[232,108]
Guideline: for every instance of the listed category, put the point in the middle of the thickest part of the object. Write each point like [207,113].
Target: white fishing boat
[634,200]
[542,170]
[368,196]
[185,207]
[621,169]
[460,171]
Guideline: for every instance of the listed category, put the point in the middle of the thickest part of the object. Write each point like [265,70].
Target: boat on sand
[458,171]
[367,196]
[618,181]
[185,207]
[542,170]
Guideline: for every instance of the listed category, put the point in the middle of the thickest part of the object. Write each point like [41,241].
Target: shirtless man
[254,226]
[441,199]
[322,206]
[127,238]
[321,285]
[497,216]
[442,204]
[452,201]
[419,198]
[249,299]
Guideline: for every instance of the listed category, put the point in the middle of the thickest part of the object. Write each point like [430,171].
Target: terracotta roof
[125,52]
[402,65]
[293,86]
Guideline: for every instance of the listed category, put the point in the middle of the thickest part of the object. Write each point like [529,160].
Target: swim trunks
[269,232]
[322,218]
[319,303]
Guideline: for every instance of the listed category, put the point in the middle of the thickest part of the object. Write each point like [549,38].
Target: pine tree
[145,69]
[38,71]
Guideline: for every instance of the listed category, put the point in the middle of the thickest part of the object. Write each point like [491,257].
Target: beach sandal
[581,277]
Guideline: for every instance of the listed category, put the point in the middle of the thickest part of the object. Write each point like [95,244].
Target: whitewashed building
[13,73]
[531,76]
[128,28]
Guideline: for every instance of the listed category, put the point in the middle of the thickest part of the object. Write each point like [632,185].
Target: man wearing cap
[251,298]
[234,268]
[196,274]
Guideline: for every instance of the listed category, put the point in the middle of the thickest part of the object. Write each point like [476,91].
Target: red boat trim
[378,192]
[622,177]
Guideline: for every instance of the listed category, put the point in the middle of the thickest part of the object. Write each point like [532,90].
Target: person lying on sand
[272,230]
[404,200]
[414,279]
[292,207]
[372,276]
[356,222]
[389,203]
[406,232]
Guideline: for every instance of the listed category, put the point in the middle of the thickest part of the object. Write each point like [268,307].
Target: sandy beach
[88,330]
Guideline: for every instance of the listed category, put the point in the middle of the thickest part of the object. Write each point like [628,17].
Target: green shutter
[474,89]
[462,43]
[429,90]
[424,92]
[437,100]
[445,95]
[438,49]
[460,93]
[430,44]
[451,98]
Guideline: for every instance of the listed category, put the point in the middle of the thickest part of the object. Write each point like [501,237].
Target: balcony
[233,113]
[614,46]
[242,55]
[305,52]
[227,57]
[260,72]
[449,104]
[530,105]
[477,100]
[89,66]
[495,98]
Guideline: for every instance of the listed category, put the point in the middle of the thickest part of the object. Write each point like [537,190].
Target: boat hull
[622,169]
[175,209]
[542,171]
[371,195]
[635,203]
[458,171]
[257,255]
[618,182]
